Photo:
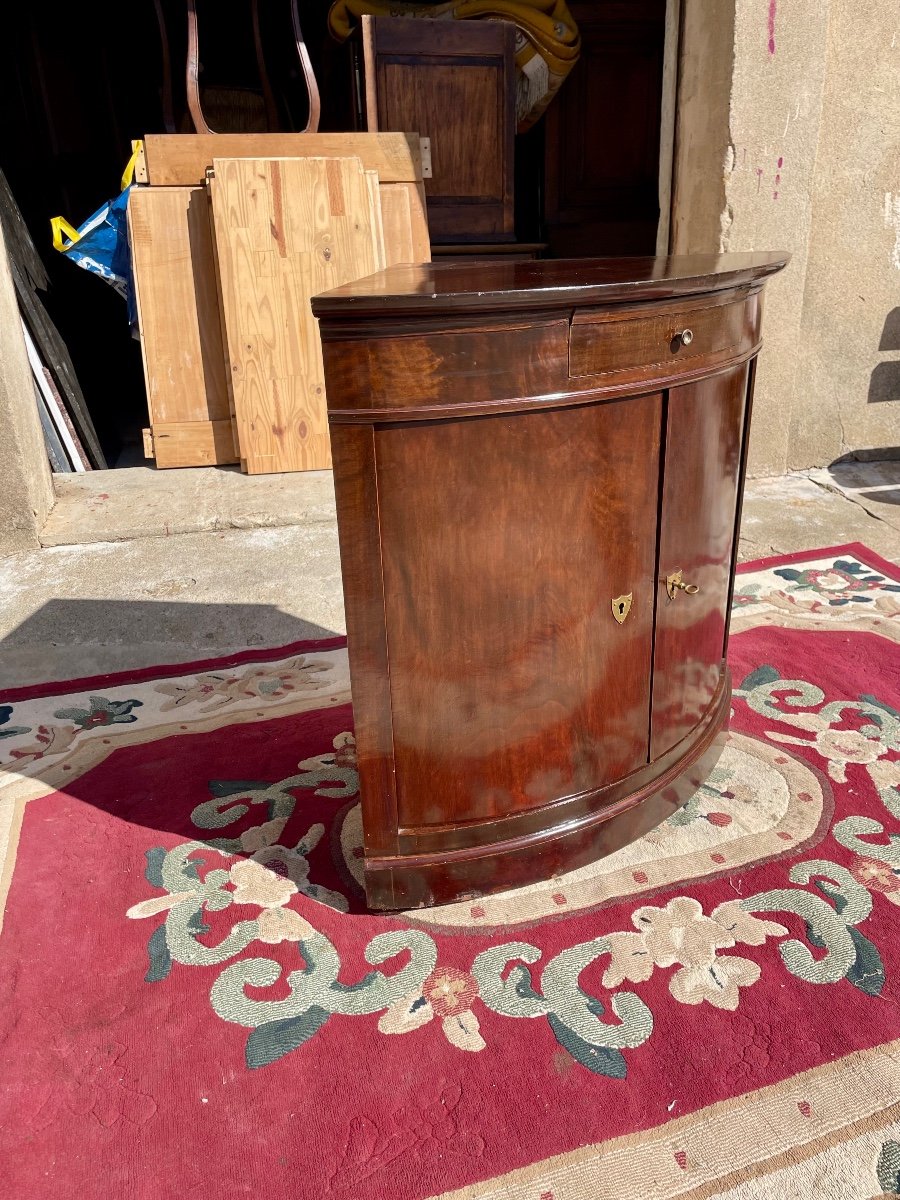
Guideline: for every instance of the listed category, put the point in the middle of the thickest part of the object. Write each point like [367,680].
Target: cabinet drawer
[602,342]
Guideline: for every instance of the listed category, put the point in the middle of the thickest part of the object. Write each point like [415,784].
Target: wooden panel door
[505,540]
[704,438]
[452,82]
[601,161]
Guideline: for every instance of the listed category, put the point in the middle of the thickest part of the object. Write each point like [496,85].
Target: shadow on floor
[250,752]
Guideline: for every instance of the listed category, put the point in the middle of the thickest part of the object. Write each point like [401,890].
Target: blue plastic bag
[100,244]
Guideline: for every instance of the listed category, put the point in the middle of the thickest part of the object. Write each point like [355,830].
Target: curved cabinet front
[537,575]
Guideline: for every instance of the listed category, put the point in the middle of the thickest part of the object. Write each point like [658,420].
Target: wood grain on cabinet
[701,474]
[526,695]
[452,82]
[501,700]
[602,342]
[181,337]
[286,228]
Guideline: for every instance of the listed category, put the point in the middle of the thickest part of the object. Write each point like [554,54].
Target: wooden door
[704,437]
[452,82]
[601,161]
[505,540]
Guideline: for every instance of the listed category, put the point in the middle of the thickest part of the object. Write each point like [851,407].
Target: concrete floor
[256,561]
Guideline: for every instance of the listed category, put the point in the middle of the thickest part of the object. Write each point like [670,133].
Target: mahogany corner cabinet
[538,469]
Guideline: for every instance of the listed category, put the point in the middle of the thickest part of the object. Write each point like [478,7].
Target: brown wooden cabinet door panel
[601,164]
[512,683]
[452,82]
[697,527]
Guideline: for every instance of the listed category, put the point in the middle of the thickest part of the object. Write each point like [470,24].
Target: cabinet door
[704,438]
[504,541]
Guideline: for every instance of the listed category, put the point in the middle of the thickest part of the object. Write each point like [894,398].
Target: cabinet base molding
[613,817]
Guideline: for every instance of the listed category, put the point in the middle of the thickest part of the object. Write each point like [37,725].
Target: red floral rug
[194,1002]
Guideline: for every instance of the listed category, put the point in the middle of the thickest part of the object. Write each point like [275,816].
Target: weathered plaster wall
[802,153]
[702,130]
[750,169]
[851,312]
[26,490]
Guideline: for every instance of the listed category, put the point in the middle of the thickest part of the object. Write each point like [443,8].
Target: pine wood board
[182,159]
[178,313]
[285,229]
[191,443]
[405,223]
[377,218]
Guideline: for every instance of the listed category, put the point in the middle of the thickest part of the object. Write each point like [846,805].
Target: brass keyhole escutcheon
[621,606]
[675,583]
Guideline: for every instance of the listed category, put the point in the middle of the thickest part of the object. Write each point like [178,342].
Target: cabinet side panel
[704,438]
[505,540]
[357,506]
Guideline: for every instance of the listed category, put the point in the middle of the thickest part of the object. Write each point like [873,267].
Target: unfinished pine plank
[405,223]
[178,312]
[193,443]
[182,159]
[285,229]
[377,226]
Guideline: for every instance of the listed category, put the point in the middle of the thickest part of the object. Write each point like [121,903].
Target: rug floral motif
[186,946]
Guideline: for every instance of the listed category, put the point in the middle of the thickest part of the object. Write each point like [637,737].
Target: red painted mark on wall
[778,176]
[773,7]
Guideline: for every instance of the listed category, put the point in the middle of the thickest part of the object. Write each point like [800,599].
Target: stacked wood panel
[230,237]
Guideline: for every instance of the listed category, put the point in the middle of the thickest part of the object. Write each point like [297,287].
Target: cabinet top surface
[433,288]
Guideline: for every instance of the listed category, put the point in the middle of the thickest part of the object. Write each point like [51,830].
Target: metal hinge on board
[425,147]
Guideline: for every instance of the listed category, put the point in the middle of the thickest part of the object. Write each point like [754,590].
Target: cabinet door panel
[454,83]
[504,541]
[704,435]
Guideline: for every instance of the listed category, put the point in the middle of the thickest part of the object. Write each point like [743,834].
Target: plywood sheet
[182,159]
[178,313]
[285,229]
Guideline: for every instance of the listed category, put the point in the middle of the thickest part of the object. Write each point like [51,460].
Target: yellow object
[547,40]
[61,227]
[128,173]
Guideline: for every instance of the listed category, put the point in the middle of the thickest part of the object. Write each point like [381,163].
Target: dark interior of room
[74,98]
